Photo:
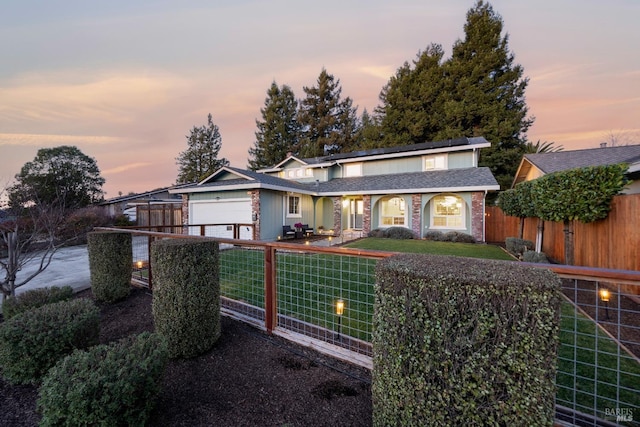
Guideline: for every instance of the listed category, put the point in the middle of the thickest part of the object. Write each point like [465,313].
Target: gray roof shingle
[564,160]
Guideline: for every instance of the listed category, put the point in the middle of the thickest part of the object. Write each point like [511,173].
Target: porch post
[416,215]
[185,214]
[337,215]
[477,215]
[366,215]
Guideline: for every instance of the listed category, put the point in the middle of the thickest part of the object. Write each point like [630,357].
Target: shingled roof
[565,160]
[467,179]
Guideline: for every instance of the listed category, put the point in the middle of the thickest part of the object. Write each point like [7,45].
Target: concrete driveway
[69,267]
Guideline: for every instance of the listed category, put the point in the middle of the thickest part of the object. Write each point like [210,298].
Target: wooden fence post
[270,297]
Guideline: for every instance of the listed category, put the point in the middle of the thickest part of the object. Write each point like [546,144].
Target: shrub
[32,342]
[34,298]
[111,265]
[82,221]
[400,233]
[435,235]
[517,247]
[114,384]
[377,232]
[533,256]
[464,342]
[458,237]
[186,294]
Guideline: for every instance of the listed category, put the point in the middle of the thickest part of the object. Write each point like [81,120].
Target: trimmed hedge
[115,384]
[34,298]
[461,341]
[517,247]
[449,236]
[111,265]
[186,294]
[32,342]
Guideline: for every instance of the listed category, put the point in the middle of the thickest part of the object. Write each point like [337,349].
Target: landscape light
[340,307]
[139,264]
[604,295]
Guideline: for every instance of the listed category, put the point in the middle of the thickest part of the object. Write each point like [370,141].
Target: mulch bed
[249,378]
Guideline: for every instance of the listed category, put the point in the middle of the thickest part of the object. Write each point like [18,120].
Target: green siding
[236,194]
[383,167]
[271,212]
[460,160]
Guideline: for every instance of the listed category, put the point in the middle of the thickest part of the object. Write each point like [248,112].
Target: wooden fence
[609,243]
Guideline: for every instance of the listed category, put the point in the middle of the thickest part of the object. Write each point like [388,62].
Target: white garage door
[228,212]
[220,212]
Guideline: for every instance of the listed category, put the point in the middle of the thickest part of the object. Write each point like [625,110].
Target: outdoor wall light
[279,237]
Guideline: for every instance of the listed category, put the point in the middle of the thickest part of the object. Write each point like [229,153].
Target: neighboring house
[536,165]
[129,204]
[428,186]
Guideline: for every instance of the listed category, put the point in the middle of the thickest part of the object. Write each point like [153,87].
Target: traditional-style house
[428,186]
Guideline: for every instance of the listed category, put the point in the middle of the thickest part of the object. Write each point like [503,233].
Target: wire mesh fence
[598,374]
[328,295]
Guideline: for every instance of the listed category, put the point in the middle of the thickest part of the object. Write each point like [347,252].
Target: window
[447,212]
[352,169]
[392,212]
[308,172]
[435,162]
[293,206]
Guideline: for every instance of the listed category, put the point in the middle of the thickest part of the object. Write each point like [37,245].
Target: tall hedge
[460,341]
[186,294]
[111,265]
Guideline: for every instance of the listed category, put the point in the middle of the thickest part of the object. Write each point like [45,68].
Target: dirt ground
[248,379]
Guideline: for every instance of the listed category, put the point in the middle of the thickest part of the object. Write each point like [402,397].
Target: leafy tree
[582,194]
[326,120]
[200,159]
[277,133]
[62,176]
[517,202]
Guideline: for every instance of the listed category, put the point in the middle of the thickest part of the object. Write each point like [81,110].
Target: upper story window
[435,162]
[297,173]
[352,169]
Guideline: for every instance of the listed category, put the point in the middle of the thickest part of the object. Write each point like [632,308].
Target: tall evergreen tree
[326,119]
[200,159]
[479,91]
[412,100]
[487,93]
[369,132]
[277,133]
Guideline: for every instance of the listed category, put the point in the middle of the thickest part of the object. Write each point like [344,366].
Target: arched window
[447,211]
[393,212]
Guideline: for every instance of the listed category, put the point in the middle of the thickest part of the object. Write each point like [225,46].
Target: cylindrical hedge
[111,265]
[115,384]
[186,294]
[32,342]
[460,341]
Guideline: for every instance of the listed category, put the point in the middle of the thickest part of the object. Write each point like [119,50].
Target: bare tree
[616,138]
[31,234]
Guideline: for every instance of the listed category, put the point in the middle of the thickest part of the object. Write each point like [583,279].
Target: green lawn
[308,286]
[429,247]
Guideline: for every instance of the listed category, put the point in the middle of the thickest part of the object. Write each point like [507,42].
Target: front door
[356,210]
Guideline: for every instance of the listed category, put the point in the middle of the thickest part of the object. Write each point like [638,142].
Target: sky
[125,81]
